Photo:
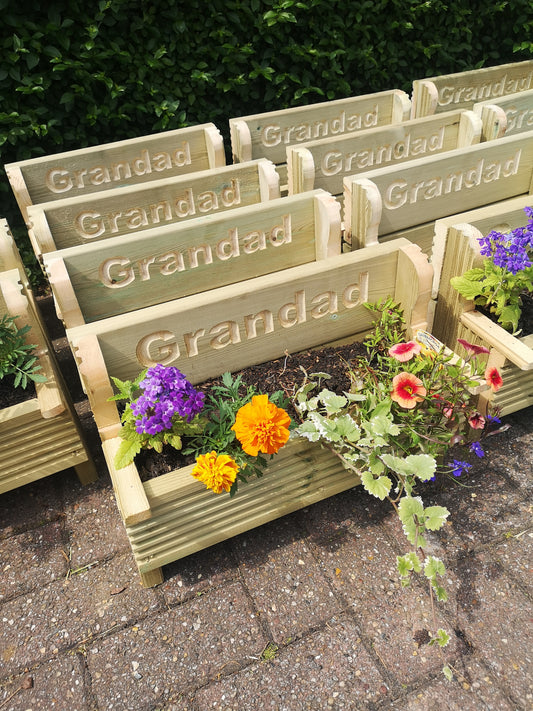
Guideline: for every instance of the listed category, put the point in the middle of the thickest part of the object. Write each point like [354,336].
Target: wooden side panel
[111,165]
[427,189]
[186,517]
[267,135]
[463,89]
[127,211]
[507,116]
[13,301]
[131,272]
[330,160]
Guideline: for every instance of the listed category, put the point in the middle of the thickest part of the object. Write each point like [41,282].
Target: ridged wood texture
[186,517]
[463,89]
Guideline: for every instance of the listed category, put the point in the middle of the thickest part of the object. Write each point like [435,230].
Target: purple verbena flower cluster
[166,392]
[510,251]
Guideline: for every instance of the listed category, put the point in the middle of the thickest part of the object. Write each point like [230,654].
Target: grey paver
[31,559]
[284,580]
[188,645]
[55,686]
[328,669]
[70,612]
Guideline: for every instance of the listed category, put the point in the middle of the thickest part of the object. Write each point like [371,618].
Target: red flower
[405,351]
[476,421]
[472,348]
[493,378]
[407,390]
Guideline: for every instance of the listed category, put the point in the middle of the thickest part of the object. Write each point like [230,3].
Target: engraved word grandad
[166,347]
[61,180]
[455,95]
[91,224]
[274,134]
[118,272]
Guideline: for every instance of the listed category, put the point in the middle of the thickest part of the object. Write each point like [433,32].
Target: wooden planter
[456,317]
[40,436]
[184,517]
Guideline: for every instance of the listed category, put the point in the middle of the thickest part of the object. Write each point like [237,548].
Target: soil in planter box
[525,323]
[10,395]
[284,374]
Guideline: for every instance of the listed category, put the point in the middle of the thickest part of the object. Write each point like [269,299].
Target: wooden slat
[111,165]
[125,273]
[127,211]
[463,89]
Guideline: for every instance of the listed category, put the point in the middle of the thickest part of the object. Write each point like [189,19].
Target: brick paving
[303,613]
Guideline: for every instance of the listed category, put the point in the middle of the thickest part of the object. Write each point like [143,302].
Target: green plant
[17,357]
[408,403]
[506,275]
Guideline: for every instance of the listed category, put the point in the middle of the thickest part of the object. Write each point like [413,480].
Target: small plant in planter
[227,432]
[408,403]
[506,276]
[17,357]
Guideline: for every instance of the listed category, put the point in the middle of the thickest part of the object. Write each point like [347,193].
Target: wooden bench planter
[306,306]
[463,89]
[40,436]
[456,317]
[268,135]
[111,165]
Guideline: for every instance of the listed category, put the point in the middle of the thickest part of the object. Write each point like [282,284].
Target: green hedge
[74,74]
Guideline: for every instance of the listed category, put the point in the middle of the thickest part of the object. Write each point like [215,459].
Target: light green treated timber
[506,116]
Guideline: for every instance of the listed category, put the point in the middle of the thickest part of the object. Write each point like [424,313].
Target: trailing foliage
[17,358]
[77,74]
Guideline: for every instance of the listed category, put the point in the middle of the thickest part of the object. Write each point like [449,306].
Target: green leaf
[332,402]
[435,517]
[379,487]
[468,289]
[447,672]
[126,453]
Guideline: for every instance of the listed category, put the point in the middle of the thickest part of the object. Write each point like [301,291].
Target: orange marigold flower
[261,426]
[216,471]
[405,351]
[493,378]
[407,390]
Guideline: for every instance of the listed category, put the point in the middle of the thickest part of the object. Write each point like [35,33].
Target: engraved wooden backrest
[129,272]
[463,89]
[405,201]
[122,211]
[267,135]
[325,163]
[506,116]
[251,321]
[110,165]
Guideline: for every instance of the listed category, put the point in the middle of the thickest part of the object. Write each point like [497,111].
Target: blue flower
[477,449]
[459,467]
[493,418]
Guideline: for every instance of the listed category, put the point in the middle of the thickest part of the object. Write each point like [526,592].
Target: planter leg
[152,578]
[86,472]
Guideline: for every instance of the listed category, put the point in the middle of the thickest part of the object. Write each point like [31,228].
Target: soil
[9,395]
[525,323]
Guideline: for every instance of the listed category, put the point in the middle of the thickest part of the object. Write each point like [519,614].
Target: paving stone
[93,524]
[496,617]
[160,657]
[66,613]
[471,689]
[329,669]
[284,579]
[516,555]
[196,573]
[362,568]
[31,559]
[56,686]
[34,504]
